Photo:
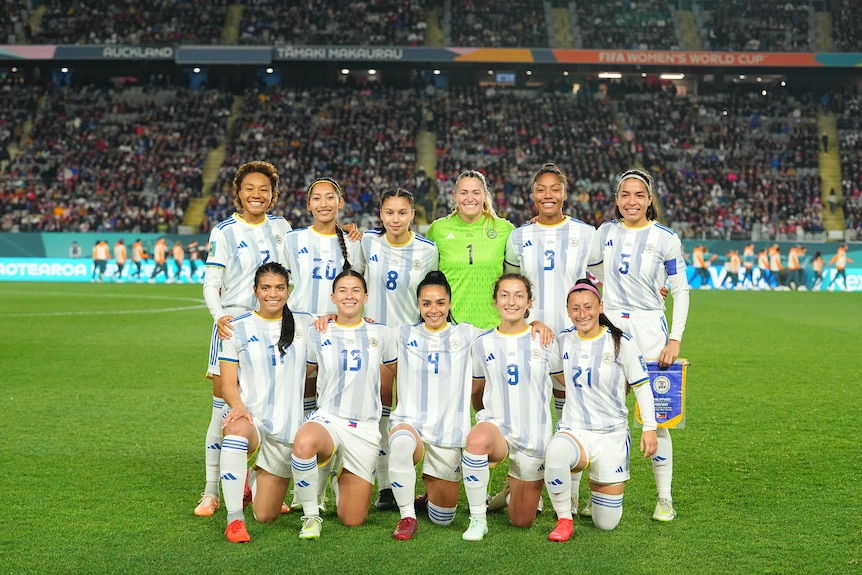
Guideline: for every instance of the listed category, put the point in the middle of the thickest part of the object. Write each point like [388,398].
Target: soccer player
[594,426]
[138,257]
[472,245]
[349,358]
[268,353]
[317,254]
[396,260]
[178,255]
[638,257]
[511,393]
[160,255]
[552,252]
[238,247]
[748,260]
[120,257]
[840,260]
[817,270]
[101,255]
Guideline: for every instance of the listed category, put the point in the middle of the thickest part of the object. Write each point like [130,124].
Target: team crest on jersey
[455,344]
[661,384]
[573,242]
[417,264]
[649,249]
[372,341]
[492,233]
[607,358]
[278,239]
[297,334]
[535,353]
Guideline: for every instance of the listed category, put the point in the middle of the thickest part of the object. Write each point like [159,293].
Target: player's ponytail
[288,325]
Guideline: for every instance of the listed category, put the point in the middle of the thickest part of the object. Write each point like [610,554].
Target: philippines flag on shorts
[351,423]
[625,315]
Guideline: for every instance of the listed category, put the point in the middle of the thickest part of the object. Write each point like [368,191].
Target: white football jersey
[271,384]
[348,363]
[314,259]
[240,248]
[553,258]
[596,380]
[435,382]
[518,387]
[393,273]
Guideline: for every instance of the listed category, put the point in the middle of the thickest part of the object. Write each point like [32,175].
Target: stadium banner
[668,390]
[716,256]
[236,54]
[84,270]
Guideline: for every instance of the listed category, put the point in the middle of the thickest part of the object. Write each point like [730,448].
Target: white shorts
[442,462]
[356,444]
[525,467]
[607,453]
[273,456]
[648,328]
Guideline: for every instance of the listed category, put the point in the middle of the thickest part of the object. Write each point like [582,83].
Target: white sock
[562,454]
[576,486]
[305,480]
[309,404]
[213,447]
[234,458]
[402,472]
[607,510]
[383,453]
[662,464]
[476,477]
[441,515]
[558,407]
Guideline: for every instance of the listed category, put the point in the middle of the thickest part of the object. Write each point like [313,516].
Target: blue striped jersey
[553,258]
[240,248]
[271,384]
[596,380]
[348,361]
[435,382]
[518,386]
[393,273]
[314,259]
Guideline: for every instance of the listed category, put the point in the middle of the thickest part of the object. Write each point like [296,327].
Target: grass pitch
[106,407]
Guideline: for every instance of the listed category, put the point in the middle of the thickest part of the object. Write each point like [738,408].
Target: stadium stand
[626,24]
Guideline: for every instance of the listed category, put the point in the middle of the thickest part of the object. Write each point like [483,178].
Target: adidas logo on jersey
[490,357]
[304,250]
[451,236]
[610,243]
[253,338]
[528,244]
[413,344]
[242,244]
[373,258]
[566,355]
[325,343]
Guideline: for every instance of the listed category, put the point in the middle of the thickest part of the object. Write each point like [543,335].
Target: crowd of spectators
[499,24]
[361,136]
[731,164]
[760,26]
[846,25]
[334,22]
[18,103]
[627,24]
[112,159]
[849,125]
[132,22]
[14,24]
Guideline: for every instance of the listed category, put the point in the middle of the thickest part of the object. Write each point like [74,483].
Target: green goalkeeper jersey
[471,256]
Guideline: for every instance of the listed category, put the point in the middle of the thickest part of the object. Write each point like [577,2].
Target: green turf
[106,405]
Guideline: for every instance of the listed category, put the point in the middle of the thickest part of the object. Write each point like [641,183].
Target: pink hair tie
[588,287]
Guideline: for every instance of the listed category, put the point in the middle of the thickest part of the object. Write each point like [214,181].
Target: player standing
[472,245]
[638,257]
[396,260]
[120,256]
[239,245]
